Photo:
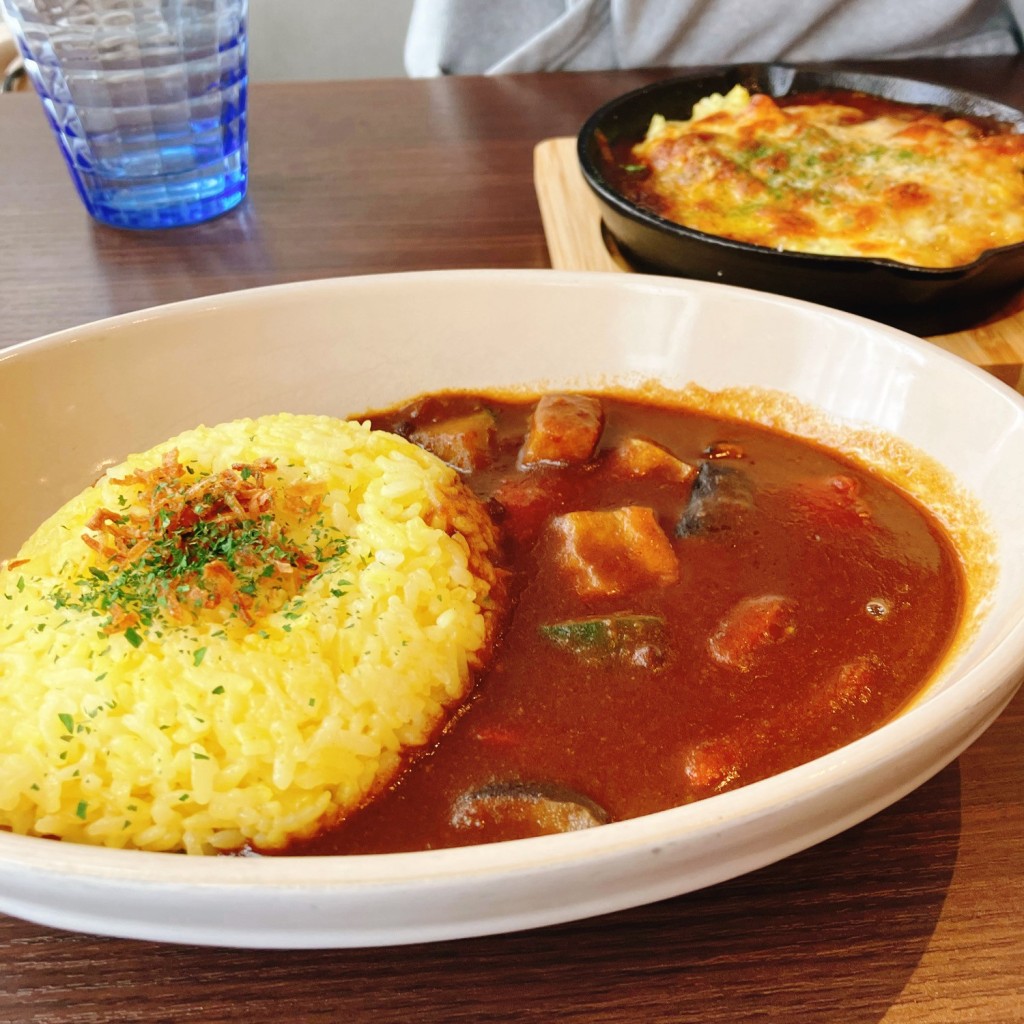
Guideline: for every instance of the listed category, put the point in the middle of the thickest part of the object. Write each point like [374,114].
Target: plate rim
[159,871]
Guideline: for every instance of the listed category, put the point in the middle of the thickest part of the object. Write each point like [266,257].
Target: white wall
[303,39]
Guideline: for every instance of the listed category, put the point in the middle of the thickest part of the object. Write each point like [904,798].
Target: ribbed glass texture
[147,99]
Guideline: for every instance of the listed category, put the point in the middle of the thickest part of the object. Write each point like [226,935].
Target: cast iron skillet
[920,299]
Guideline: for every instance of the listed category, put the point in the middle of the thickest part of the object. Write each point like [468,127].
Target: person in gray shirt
[460,37]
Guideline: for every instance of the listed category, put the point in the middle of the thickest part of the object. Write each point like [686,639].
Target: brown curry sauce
[812,600]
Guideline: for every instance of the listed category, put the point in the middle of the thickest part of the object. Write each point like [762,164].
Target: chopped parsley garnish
[192,542]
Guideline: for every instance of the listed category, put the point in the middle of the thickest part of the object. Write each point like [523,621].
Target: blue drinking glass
[147,99]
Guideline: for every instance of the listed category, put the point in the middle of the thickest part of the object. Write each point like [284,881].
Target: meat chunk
[832,502]
[715,764]
[464,442]
[614,551]
[851,690]
[564,430]
[750,627]
[637,457]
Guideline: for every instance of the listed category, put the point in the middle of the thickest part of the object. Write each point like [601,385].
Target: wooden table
[913,916]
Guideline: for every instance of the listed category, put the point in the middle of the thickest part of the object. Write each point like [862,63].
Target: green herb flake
[67,721]
[82,809]
[182,539]
[197,657]
[218,690]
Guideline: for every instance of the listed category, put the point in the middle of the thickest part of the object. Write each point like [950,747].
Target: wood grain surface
[913,917]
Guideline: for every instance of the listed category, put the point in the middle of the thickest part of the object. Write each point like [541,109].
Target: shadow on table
[831,934]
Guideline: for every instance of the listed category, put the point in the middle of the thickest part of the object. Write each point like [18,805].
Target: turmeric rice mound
[230,640]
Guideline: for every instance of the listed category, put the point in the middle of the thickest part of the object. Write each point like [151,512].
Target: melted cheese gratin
[829,178]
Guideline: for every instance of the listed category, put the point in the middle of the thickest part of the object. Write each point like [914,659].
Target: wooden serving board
[576,241]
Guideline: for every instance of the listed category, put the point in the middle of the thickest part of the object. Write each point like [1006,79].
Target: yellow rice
[214,735]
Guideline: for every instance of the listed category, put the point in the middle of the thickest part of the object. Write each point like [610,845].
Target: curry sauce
[698,603]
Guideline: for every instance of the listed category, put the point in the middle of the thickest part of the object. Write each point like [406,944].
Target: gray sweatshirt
[508,36]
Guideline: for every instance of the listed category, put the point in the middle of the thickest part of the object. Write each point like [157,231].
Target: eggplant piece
[528,808]
[638,640]
[721,496]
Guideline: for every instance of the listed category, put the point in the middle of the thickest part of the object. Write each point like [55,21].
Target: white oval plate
[80,400]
